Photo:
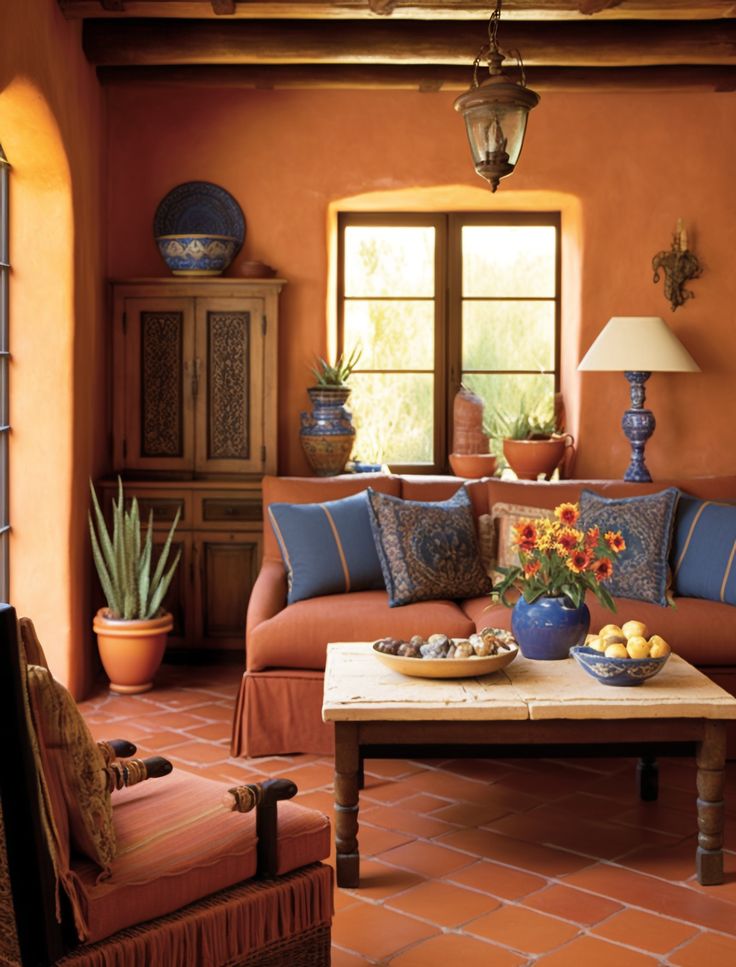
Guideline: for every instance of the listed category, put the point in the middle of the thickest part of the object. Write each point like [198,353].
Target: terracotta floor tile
[273,765]
[533,857]
[453,950]
[315,775]
[378,881]
[200,752]
[392,768]
[374,839]
[675,862]
[341,958]
[422,803]
[324,801]
[497,880]
[457,788]
[575,905]
[213,731]
[443,903]
[154,720]
[184,698]
[426,858]
[487,770]
[587,950]
[646,931]
[385,790]
[470,813]
[658,896]
[406,821]
[524,930]
[369,929]
[214,712]
[656,816]
[583,805]
[708,948]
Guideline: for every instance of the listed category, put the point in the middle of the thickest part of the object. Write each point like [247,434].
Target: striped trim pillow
[327,548]
[704,550]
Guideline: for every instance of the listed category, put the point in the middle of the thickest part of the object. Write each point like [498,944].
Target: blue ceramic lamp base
[638,424]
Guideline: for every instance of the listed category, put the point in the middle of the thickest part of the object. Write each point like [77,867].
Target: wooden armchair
[192,883]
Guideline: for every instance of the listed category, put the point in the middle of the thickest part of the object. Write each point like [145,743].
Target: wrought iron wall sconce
[679,265]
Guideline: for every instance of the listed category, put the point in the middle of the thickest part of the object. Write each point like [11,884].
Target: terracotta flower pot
[529,458]
[131,651]
[473,465]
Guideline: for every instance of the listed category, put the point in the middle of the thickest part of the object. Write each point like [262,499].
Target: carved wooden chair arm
[132,771]
[113,749]
[263,797]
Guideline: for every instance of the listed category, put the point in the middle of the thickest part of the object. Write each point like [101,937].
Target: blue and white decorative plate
[199,208]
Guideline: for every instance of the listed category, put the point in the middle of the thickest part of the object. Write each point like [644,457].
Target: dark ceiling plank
[369,77]
[569,44]
[409,9]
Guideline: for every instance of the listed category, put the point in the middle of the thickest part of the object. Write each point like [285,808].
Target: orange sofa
[279,704]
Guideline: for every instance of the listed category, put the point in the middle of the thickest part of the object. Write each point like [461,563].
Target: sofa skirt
[279,712]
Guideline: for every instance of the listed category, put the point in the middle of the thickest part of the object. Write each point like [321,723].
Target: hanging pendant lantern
[496,110]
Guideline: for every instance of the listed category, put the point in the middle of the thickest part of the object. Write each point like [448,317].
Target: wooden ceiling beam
[570,44]
[456,79]
[402,9]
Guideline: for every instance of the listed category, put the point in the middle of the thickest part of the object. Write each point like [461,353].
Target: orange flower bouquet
[557,559]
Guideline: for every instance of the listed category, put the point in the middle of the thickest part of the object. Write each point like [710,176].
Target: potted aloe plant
[531,442]
[131,630]
[327,433]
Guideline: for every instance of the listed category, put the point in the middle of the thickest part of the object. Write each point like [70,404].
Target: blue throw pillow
[642,570]
[427,550]
[327,548]
[703,550]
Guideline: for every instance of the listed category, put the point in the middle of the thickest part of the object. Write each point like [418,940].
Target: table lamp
[638,346]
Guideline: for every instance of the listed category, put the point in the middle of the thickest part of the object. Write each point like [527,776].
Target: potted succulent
[531,442]
[131,630]
[327,433]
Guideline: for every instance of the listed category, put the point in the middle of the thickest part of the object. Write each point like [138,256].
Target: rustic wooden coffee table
[538,708]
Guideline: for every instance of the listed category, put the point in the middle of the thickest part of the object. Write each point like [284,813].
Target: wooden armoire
[194,369]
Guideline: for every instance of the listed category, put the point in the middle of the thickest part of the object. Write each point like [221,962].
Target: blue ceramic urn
[549,627]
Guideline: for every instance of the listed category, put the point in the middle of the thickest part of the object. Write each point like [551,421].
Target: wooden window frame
[448,300]
[4,375]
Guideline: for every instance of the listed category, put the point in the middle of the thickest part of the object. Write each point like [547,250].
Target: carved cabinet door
[228,363]
[158,412]
[226,567]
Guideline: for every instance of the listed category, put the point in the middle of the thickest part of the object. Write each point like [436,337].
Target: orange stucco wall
[623,168]
[51,128]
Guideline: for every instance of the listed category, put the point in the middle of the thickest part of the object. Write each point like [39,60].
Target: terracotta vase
[529,458]
[131,651]
[327,433]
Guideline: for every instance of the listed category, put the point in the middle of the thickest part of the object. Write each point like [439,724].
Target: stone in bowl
[616,671]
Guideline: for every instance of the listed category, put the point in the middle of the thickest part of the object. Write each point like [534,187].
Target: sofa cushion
[702,632]
[427,550]
[642,570]
[77,767]
[327,548]
[297,637]
[703,550]
[312,490]
[177,842]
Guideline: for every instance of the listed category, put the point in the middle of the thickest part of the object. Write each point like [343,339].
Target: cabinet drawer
[230,510]
[164,506]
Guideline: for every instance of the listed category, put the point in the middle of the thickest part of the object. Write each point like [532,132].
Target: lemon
[635,629]
[616,650]
[607,630]
[658,647]
[596,644]
[637,647]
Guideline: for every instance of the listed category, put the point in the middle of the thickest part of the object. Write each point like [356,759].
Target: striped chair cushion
[327,548]
[178,842]
[703,550]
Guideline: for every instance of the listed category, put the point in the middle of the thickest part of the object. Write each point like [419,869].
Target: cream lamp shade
[638,344]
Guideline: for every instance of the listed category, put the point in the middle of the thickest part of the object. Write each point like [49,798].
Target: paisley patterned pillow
[642,570]
[427,550]
[79,766]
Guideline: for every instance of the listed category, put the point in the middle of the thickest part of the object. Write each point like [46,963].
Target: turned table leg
[711,761]
[647,777]
[347,771]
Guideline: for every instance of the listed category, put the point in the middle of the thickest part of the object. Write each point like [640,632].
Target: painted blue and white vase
[549,627]
[327,433]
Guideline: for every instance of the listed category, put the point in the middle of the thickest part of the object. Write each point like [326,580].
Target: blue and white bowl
[616,671]
[195,254]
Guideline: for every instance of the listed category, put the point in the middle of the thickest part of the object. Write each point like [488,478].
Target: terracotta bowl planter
[131,651]
[529,458]
[473,465]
